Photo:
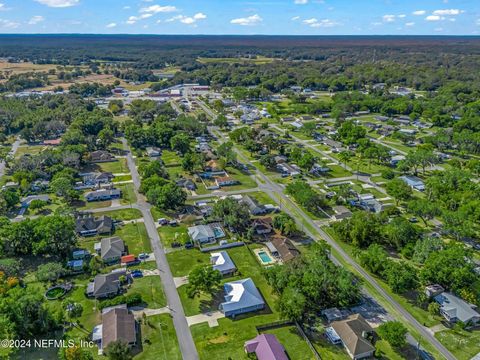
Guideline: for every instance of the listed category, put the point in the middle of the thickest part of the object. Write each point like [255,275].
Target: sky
[242,17]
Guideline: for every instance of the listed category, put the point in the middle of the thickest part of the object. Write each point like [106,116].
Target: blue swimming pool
[219,233]
[266,259]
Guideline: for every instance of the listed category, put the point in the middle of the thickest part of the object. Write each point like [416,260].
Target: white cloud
[59,3]
[419,12]
[323,23]
[478,22]
[158,9]
[409,24]
[36,19]
[388,18]
[132,20]
[295,18]
[448,12]
[127,7]
[301,2]
[402,16]
[247,21]
[2,7]
[145,16]
[8,24]
[111,25]
[434,18]
[188,20]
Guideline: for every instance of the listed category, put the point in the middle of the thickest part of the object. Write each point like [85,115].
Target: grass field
[135,237]
[295,346]
[181,262]
[169,234]
[115,167]
[159,340]
[150,287]
[123,214]
[463,344]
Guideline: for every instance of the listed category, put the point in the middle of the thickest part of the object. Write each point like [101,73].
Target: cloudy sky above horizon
[276,17]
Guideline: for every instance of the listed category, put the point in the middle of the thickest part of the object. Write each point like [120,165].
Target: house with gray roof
[103,195]
[414,182]
[106,285]
[222,262]
[241,296]
[91,226]
[456,309]
[110,249]
[202,234]
[253,206]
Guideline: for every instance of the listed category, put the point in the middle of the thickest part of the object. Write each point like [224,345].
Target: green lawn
[182,261]
[463,344]
[226,340]
[128,194]
[123,214]
[122,178]
[135,237]
[86,205]
[170,158]
[116,167]
[169,234]
[150,287]
[295,346]
[159,340]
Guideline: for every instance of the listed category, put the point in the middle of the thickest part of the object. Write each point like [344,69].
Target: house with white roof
[222,262]
[242,296]
[202,234]
[414,182]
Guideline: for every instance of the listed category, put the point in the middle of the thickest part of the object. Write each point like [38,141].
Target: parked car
[137,273]
[189,245]
[173,223]
[163,221]
[413,220]
[143,256]
[176,244]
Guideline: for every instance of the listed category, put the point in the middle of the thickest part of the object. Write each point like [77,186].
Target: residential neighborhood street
[185,340]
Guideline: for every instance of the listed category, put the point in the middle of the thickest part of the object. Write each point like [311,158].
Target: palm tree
[344,157]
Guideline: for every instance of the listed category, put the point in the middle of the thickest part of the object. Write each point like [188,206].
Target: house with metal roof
[456,309]
[241,296]
[103,195]
[414,182]
[266,347]
[91,226]
[222,262]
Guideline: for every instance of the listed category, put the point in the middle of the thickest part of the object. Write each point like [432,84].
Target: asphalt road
[276,192]
[184,336]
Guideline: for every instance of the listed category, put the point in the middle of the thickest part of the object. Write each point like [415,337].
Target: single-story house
[456,309]
[341,212]
[354,333]
[414,182]
[153,151]
[103,195]
[222,262]
[40,185]
[80,254]
[241,296]
[106,285]
[262,225]
[97,178]
[202,234]
[282,248]
[266,347]
[253,206]
[101,156]
[118,324]
[110,249]
[226,181]
[288,169]
[91,226]
[186,184]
